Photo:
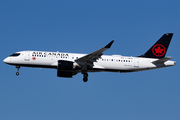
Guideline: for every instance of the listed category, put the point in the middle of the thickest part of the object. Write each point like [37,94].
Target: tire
[85,79]
[17,73]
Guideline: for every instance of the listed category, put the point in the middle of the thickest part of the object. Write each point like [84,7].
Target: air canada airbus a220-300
[69,64]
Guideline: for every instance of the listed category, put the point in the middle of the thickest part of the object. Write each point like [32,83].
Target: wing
[89,59]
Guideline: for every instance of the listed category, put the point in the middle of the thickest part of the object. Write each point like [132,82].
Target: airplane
[69,64]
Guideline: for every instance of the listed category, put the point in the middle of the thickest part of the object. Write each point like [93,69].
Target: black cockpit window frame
[15,54]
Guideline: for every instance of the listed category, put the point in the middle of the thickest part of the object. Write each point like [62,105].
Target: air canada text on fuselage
[55,54]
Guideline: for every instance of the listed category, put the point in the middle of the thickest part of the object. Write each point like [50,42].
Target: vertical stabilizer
[159,49]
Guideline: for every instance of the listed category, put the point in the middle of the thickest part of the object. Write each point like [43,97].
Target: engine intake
[65,68]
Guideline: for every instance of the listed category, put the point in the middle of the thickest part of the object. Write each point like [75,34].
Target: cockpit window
[15,54]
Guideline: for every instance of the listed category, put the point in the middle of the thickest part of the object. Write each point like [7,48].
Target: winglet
[109,45]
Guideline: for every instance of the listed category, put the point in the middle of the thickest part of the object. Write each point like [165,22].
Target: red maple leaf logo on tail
[158,50]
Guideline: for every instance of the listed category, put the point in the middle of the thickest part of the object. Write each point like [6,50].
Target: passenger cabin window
[15,54]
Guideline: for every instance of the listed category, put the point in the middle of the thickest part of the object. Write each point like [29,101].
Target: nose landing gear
[17,73]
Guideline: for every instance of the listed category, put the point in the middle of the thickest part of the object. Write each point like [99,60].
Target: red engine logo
[158,50]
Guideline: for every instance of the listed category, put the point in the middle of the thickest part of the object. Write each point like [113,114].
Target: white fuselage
[114,63]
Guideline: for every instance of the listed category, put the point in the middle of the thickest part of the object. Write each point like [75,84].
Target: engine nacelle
[65,68]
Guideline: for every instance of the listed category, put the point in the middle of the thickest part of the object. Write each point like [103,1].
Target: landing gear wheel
[85,79]
[17,73]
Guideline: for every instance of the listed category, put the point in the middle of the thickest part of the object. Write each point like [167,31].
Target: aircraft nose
[6,60]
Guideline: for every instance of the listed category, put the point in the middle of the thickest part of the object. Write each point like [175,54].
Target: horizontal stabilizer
[163,60]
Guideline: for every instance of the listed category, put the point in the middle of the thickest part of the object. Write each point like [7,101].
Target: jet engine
[65,69]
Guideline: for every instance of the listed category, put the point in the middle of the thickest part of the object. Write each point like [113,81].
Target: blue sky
[82,26]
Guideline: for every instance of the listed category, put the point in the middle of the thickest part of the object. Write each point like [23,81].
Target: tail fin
[159,49]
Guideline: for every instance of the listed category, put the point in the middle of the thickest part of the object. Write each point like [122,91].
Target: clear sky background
[83,26]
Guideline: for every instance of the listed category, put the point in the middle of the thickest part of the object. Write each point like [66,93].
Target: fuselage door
[136,62]
[27,56]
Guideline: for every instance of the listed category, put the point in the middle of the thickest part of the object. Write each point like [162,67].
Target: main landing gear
[85,76]
[17,73]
